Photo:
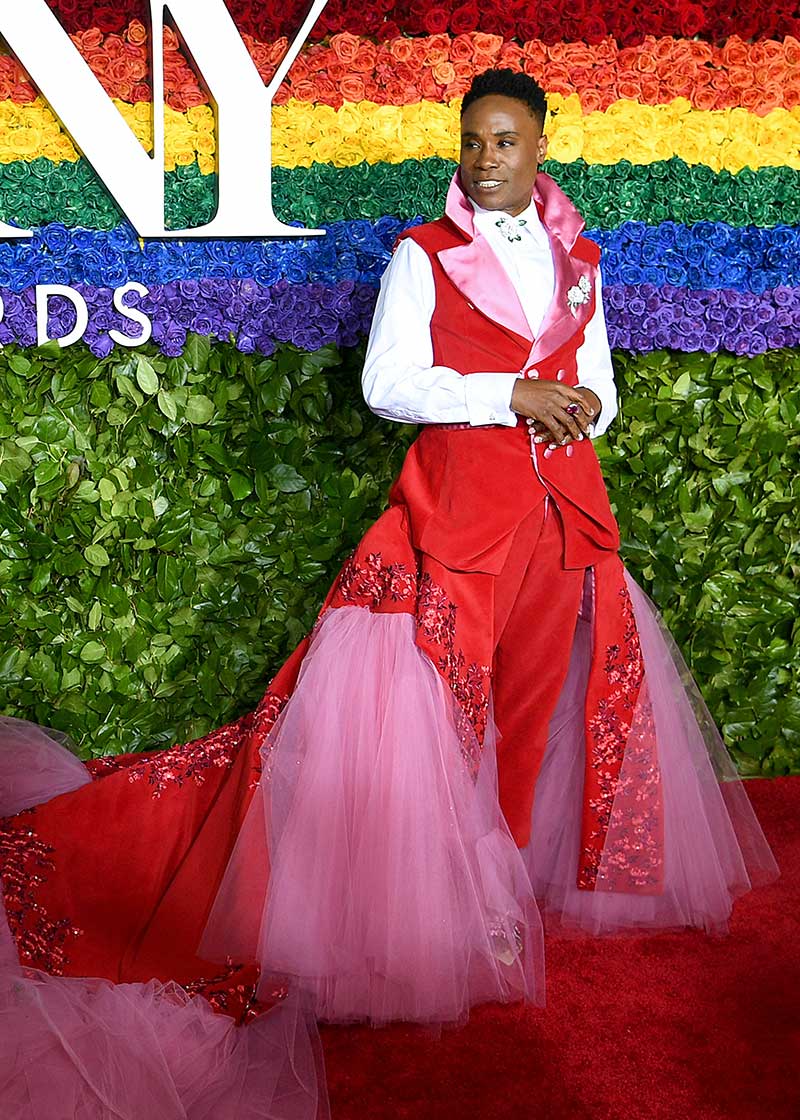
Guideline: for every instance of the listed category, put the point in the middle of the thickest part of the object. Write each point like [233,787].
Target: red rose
[436,21]
[464,18]
[692,20]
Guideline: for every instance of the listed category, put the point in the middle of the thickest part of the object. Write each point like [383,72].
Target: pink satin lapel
[560,323]
[478,274]
[476,271]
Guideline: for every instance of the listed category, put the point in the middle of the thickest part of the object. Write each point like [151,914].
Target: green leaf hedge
[169,527]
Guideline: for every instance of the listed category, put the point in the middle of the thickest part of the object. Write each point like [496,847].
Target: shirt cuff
[488,398]
[607,396]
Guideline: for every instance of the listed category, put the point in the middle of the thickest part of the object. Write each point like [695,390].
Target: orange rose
[22,93]
[646,63]
[364,60]
[772,97]
[740,77]
[487,46]
[578,54]
[352,87]
[606,76]
[462,48]
[136,32]
[592,100]
[721,80]
[405,73]
[626,59]
[444,73]
[282,94]
[345,45]
[536,51]
[402,49]
[299,71]
[90,39]
[791,94]
[651,89]
[698,50]
[464,71]
[304,90]
[327,92]
[335,70]
[534,69]
[751,99]
[170,39]
[428,87]
[393,93]
[557,79]
[662,49]
[557,52]
[628,86]
[791,50]
[511,56]
[606,50]
[419,58]
[704,97]
[193,96]
[438,48]
[735,52]
[141,92]
[277,50]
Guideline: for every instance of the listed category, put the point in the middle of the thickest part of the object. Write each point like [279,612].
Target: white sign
[135,179]
[44,292]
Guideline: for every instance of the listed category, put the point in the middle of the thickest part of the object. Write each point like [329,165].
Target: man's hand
[545,404]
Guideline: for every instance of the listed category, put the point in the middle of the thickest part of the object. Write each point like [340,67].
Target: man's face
[501,149]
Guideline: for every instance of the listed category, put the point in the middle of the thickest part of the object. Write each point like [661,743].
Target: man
[487,319]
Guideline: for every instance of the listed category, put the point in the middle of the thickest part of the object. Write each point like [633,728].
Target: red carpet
[658,1028]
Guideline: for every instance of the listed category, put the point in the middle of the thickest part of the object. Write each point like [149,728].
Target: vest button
[562,373]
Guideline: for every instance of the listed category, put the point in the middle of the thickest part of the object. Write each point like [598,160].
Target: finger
[580,421]
[577,398]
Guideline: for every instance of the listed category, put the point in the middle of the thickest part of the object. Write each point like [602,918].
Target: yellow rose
[565,140]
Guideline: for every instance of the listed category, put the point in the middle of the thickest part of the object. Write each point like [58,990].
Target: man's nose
[487,158]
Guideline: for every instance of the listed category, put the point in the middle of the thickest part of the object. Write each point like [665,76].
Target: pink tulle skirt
[375,877]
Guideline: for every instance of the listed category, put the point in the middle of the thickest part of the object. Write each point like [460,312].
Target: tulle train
[714,848]
[395,888]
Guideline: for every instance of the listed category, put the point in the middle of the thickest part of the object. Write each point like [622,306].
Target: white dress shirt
[400,381]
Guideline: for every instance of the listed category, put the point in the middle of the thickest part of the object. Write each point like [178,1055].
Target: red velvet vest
[466,490]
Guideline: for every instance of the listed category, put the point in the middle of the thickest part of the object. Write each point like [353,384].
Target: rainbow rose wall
[181,481]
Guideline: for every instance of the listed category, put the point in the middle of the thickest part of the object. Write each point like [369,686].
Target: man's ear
[541,149]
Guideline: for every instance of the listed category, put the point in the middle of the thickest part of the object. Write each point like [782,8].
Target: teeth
[489,183]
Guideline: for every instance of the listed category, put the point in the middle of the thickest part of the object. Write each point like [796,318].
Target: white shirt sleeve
[595,371]
[400,381]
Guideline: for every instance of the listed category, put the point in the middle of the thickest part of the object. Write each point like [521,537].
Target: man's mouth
[487,184]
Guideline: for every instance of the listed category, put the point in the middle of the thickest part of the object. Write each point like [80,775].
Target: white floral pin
[579,294]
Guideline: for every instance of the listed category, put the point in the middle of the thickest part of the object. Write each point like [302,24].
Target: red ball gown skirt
[177,921]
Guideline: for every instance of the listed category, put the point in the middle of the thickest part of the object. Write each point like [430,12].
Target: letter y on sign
[135,179]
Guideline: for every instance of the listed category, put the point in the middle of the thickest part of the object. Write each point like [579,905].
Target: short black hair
[508,83]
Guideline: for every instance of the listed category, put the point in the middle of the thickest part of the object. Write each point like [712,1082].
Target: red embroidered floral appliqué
[625,849]
[25,864]
[365,580]
[191,761]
